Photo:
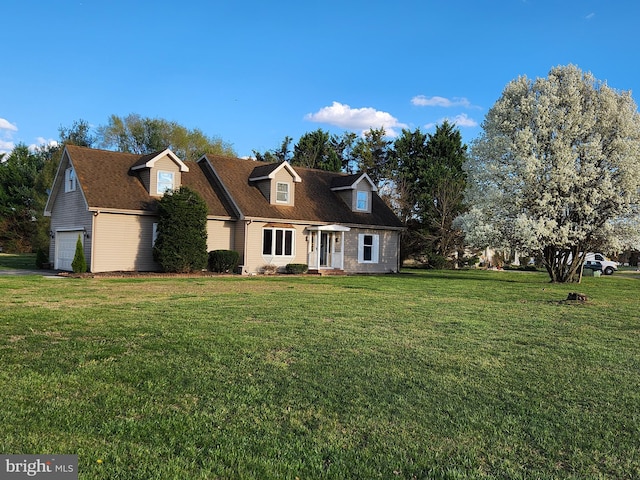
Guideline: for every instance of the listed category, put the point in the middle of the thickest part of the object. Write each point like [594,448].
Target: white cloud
[6,134]
[6,147]
[422,101]
[6,125]
[461,120]
[590,16]
[361,119]
[43,142]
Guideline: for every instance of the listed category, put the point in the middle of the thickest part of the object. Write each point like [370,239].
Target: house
[270,213]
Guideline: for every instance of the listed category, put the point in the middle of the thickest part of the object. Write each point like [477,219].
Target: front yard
[466,374]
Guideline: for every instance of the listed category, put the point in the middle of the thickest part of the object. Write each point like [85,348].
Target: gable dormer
[160,172]
[355,190]
[277,182]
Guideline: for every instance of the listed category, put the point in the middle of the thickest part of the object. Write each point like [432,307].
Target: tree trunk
[564,265]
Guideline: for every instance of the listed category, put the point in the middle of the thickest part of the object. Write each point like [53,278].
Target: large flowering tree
[556,171]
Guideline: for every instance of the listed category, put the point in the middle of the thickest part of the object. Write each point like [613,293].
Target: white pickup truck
[595,260]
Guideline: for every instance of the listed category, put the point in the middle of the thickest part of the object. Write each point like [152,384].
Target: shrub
[437,262]
[296,268]
[269,269]
[181,246]
[223,261]
[41,258]
[79,264]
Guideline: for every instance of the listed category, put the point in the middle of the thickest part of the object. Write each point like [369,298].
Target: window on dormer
[165,182]
[362,201]
[282,192]
[70,180]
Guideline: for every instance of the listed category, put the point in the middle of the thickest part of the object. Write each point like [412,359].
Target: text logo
[46,467]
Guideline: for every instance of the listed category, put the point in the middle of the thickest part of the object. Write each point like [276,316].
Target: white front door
[325,249]
[329,250]
[66,249]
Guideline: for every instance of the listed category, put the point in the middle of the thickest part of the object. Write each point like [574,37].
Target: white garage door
[66,249]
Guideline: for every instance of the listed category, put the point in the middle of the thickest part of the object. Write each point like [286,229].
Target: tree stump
[579,297]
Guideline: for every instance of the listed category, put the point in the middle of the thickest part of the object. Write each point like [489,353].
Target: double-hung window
[278,242]
[282,192]
[362,201]
[368,248]
[70,180]
[165,182]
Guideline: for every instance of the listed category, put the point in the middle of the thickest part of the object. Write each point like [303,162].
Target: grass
[21,261]
[421,375]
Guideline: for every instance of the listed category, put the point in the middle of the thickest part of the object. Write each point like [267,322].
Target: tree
[556,171]
[314,150]
[429,189]
[79,263]
[181,245]
[21,203]
[278,155]
[142,135]
[371,154]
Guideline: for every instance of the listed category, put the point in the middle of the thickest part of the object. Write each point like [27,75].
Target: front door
[325,249]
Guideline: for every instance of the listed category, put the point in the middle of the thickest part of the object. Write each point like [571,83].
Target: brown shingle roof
[314,200]
[107,181]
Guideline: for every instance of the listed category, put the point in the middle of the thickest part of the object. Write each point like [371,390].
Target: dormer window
[70,180]
[282,192]
[165,182]
[362,201]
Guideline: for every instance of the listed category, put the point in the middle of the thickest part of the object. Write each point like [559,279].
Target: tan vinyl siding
[70,212]
[256,260]
[387,251]
[220,235]
[124,242]
[238,240]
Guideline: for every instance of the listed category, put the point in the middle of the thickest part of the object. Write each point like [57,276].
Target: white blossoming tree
[556,171]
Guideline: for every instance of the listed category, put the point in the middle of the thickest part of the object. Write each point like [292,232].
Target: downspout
[93,238]
[245,246]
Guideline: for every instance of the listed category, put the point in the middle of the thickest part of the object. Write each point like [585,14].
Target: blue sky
[253,72]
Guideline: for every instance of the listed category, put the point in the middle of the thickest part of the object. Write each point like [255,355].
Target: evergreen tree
[181,245]
[79,264]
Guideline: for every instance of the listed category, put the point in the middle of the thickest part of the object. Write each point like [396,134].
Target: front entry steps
[326,271]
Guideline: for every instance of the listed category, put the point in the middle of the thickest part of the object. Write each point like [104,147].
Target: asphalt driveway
[19,272]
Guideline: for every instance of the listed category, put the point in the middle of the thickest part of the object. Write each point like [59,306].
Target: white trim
[367,200]
[158,183]
[168,153]
[272,175]
[329,228]
[375,248]
[353,186]
[287,193]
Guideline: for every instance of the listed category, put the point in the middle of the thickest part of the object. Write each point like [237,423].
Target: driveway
[15,272]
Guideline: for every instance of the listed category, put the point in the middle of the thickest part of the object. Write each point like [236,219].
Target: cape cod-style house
[270,213]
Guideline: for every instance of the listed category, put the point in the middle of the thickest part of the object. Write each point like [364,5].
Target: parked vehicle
[607,266]
[593,265]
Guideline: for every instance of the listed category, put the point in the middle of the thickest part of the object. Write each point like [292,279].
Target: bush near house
[223,261]
[79,263]
[181,246]
[296,268]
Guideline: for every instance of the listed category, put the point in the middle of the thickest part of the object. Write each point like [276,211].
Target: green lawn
[466,374]
[22,261]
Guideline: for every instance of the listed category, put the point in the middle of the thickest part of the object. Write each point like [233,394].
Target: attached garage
[66,248]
